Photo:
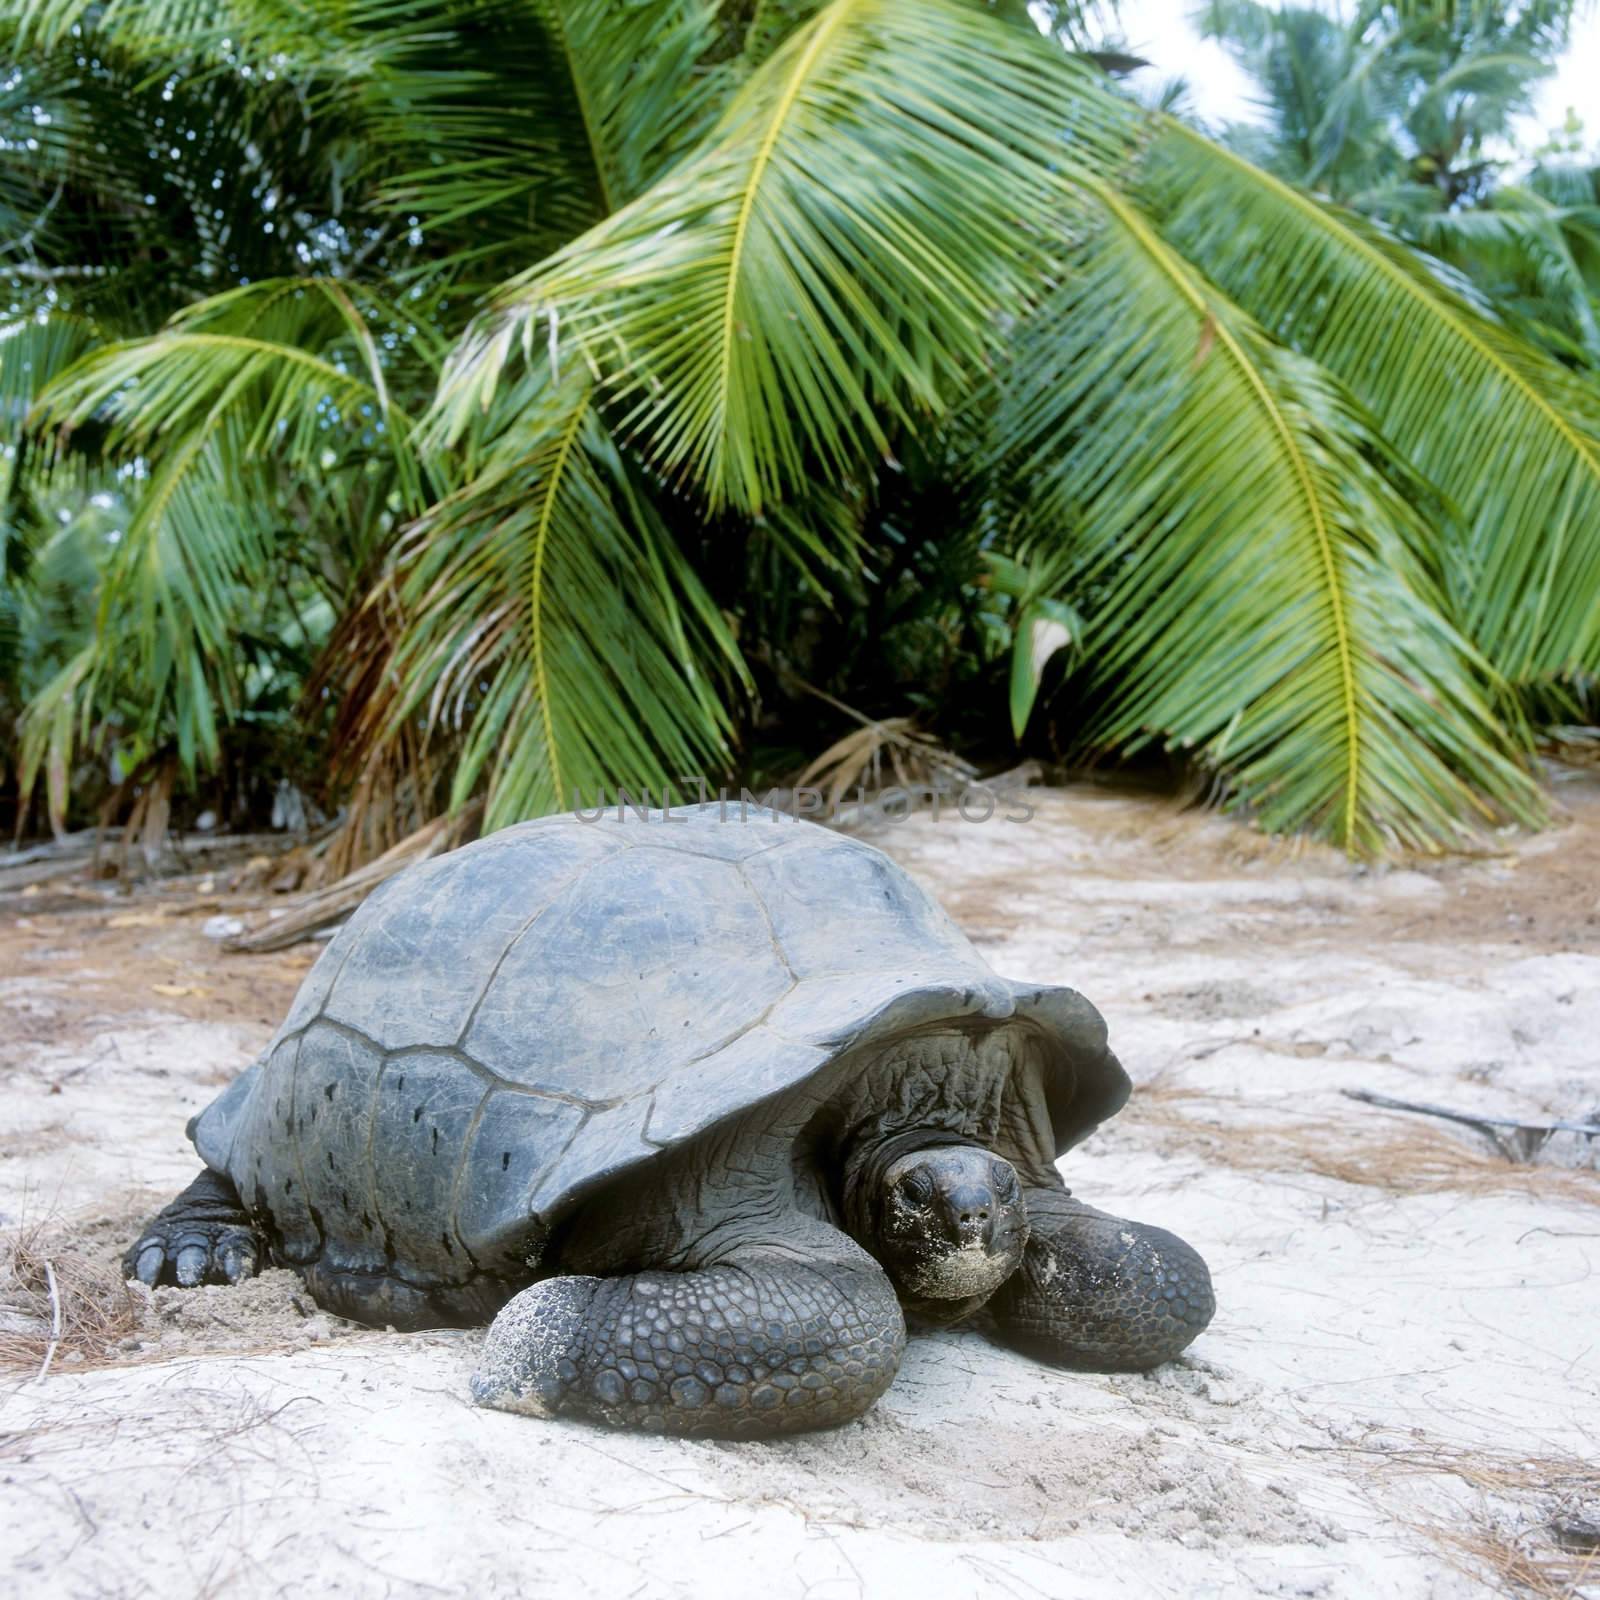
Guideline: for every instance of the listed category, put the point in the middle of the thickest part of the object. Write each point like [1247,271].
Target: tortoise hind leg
[383,1299]
[1100,1293]
[204,1236]
[798,1331]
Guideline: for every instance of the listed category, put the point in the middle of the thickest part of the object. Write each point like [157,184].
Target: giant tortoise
[698,1107]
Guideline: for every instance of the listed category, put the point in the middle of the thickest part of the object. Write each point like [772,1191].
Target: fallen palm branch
[314,913]
[66,857]
[858,759]
[1573,746]
[85,855]
[399,787]
[885,754]
[1397,1157]
[1514,1139]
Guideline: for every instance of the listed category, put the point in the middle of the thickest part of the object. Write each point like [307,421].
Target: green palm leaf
[835,255]
[285,376]
[637,82]
[607,96]
[194,559]
[551,625]
[1527,237]
[32,353]
[47,731]
[1253,586]
[294,366]
[1509,436]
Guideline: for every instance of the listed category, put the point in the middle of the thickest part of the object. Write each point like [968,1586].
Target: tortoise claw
[151,1258]
[189,1250]
[191,1265]
[238,1260]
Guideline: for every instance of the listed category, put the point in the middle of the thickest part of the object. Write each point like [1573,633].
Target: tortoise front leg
[776,1337]
[1100,1293]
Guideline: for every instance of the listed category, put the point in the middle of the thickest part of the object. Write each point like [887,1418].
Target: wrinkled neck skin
[826,1149]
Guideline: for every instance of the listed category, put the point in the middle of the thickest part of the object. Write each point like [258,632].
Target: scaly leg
[801,1330]
[1099,1293]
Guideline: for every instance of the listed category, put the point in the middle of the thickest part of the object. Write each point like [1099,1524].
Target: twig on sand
[55,1322]
[59,1300]
[1413,1158]
[1520,1142]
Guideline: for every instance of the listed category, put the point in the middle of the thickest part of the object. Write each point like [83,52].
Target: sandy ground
[1399,1397]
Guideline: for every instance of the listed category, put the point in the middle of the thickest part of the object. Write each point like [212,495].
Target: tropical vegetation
[436,404]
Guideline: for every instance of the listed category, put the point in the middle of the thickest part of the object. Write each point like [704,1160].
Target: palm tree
[1398,110]
[1533,247]
[583,333]
[1409,119]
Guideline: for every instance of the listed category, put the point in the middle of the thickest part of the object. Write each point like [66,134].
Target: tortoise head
[947,1221]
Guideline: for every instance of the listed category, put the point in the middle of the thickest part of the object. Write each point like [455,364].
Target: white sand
[1380,1363]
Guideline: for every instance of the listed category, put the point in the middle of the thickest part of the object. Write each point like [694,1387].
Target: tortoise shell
[498,1031]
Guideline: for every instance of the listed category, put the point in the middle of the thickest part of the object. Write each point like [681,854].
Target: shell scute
[263,1158]
[756,1064]
[336,1083]
[606,994]
[421,961]
[837,906]
[518,1139]
[425,1102]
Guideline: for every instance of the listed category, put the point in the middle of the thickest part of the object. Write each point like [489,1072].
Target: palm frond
[158,177]
[46,730]
[637,81]
[412,92]
[164,660]
[215,420]
[551,626]
[1254,590]
[1442,377]
[350,35]
[608,96]
[605,96]
[295,367]
[836,254]
[754,29]
[1525,238]
[197,546]
[33,352]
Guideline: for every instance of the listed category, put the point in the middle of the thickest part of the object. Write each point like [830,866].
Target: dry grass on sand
[61,1300]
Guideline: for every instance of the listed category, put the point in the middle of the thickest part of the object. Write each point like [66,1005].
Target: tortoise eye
[1004,1178]
[917,1186]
